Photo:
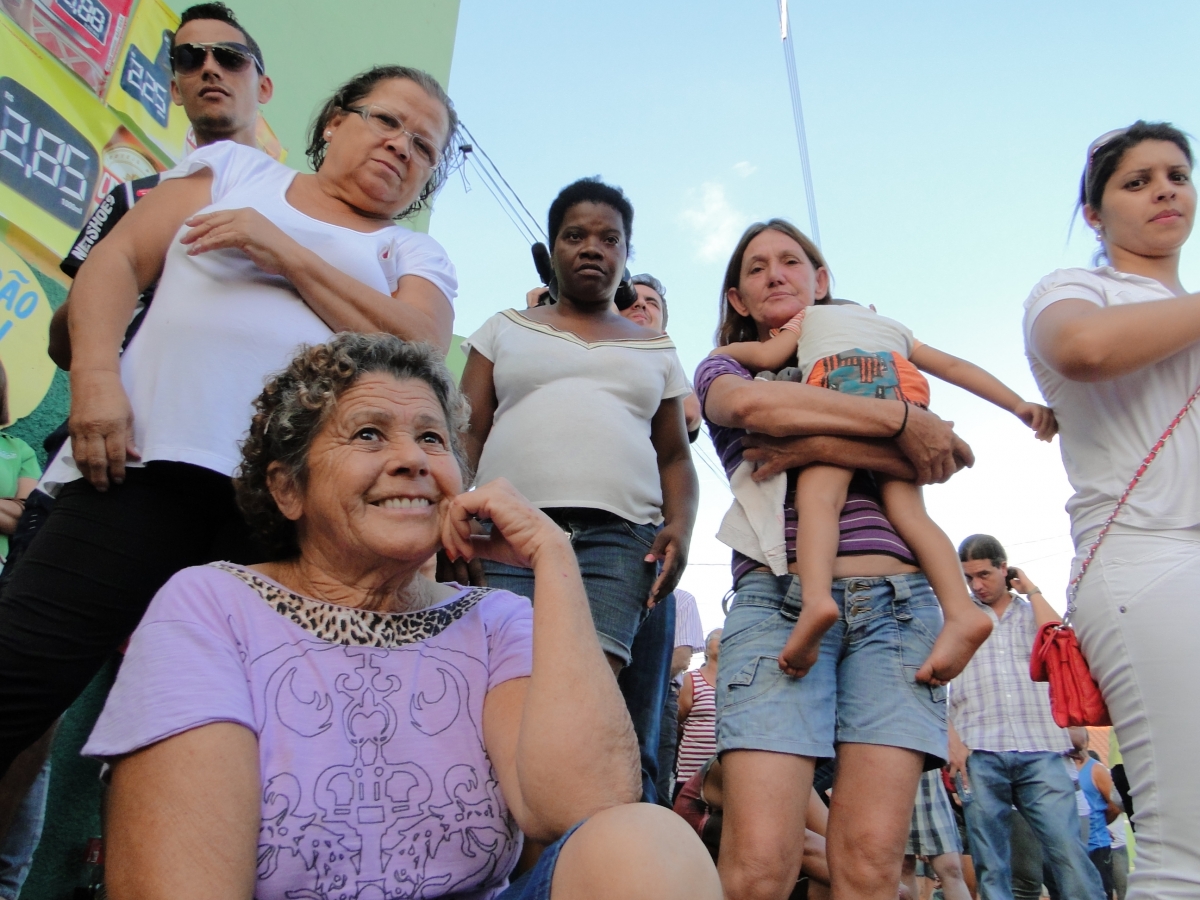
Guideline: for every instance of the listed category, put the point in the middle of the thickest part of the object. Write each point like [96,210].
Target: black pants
[1101,858]
[87,577]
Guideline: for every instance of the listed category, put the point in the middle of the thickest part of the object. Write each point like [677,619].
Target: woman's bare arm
[344,303]
[479,385]
[102,301]
[684,708]
[183,818]
[561,741]
[786,409]
[1085,342]
[691,412]
[680,492]
[774,455]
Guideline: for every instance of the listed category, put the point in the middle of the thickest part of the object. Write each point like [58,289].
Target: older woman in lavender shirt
[333,725]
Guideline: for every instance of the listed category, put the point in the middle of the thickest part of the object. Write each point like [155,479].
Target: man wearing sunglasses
[219,79]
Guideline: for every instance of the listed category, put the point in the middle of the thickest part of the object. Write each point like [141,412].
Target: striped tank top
[699,741]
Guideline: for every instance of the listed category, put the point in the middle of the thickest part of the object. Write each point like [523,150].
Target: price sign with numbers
[97,24]
[140,90]
[43,156]
[148,84]
[53,132]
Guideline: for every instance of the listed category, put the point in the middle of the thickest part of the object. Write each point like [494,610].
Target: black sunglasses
[230,56]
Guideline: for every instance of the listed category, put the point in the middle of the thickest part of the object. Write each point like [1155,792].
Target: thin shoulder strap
[1073,588]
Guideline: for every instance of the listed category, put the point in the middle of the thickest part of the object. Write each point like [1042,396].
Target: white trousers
[1138,622]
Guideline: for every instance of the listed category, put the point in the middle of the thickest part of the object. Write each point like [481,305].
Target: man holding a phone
[1004,744]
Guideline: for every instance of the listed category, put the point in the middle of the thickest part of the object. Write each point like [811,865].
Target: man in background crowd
[1003,741]
[646,682]
[689,640]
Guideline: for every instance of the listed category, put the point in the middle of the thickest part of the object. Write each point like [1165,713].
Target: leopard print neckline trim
[356,627]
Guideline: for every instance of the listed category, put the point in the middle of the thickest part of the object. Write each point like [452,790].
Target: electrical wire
[506,204]
[789,58]
[531,216]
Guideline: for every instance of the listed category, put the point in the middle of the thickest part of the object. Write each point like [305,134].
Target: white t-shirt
[1106,428]
[219,326]
[572,423]
[837,328]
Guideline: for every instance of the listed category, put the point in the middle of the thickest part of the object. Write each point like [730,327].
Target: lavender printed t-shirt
[375,779]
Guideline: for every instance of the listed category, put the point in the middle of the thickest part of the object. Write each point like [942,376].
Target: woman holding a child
[860,700]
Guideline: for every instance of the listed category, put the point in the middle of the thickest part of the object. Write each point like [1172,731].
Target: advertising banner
[24,334]
[84,35]
[51,132]
[140,89]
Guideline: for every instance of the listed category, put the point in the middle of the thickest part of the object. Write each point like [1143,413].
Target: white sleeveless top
[219,326]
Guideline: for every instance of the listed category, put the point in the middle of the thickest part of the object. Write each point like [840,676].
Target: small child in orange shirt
[849,348]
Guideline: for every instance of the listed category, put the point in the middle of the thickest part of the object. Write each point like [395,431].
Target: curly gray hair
[297,402]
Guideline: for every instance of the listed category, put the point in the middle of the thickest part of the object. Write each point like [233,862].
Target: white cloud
[745,169]
[714,218]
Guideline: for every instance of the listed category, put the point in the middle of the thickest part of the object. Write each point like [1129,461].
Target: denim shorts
[611,552]
[863,687]
[535,883]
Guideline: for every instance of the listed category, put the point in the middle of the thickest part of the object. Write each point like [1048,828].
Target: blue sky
[946,142]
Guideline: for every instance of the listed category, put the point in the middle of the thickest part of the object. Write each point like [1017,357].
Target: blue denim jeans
[668,739]
[1039,786]
[535,883]
[644,685]
[611,553]
[16,854]
[863,689]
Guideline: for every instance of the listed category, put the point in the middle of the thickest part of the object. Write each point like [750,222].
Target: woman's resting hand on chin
[242,229]
[520,534]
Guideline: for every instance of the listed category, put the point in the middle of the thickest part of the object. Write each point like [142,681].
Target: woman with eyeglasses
[252,260]
[1116,352]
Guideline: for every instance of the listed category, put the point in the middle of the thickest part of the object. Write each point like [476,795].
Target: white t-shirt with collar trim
[1108,427]
[572,422]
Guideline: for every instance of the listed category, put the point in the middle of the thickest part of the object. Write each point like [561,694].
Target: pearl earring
[328,135]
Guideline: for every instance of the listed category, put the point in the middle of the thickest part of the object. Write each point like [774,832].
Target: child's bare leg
[966,626]
[820,496]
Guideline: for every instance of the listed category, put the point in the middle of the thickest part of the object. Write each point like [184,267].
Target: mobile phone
[1009,576]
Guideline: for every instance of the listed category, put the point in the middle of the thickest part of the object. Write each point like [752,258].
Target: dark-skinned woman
[252,259]
[582,410]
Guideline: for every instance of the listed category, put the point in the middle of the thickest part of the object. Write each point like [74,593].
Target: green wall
[312,46]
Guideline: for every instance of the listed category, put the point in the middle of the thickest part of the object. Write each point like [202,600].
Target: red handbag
[1075,698]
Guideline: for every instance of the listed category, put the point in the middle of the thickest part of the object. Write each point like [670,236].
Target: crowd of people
[385,635]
